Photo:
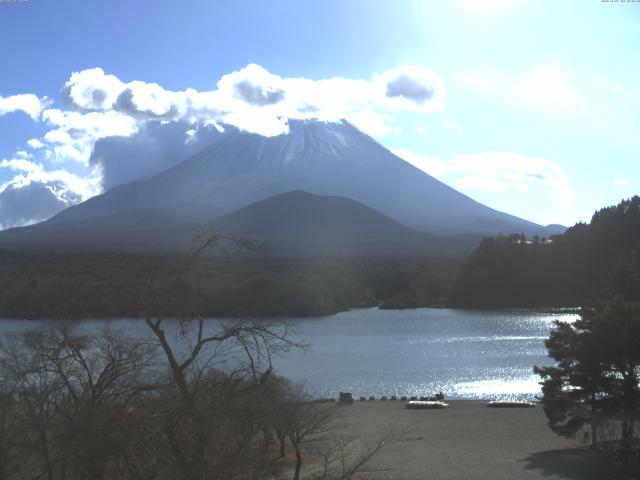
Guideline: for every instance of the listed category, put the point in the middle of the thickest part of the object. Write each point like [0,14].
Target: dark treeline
[91,285]
[589,260]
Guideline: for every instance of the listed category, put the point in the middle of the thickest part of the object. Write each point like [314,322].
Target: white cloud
[92,89]
[75,133]
[495,171]
[35,194]
[102,106]
[20,165]
[253,85]
[96,106]
[23,154]
[58,136]
[256,100]
[413,88]
[33,202]
[545,88]
[514,170]
[35,143]
[622,182]
[30,172]
[453,126]
[548,88]
[99,105]
[94,124]
[436,167]
[154,148]
[481,182]
[27,103]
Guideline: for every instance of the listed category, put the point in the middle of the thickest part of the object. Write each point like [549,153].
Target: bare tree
[75,395]
[11,435]
[213,367]
[308,422]
[193,399]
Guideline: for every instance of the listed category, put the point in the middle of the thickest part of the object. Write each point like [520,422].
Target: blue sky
[535,108]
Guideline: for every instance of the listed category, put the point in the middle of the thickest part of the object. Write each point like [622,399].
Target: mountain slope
[291,224]
[334,159]
[303,224]
[302,214]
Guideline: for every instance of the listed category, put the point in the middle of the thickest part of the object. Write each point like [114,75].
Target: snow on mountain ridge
[335,159]
[305,136]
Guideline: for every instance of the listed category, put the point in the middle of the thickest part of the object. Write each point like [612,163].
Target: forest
[589,260]
[66,286]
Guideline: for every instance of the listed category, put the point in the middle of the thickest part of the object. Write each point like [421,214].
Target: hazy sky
[531,107]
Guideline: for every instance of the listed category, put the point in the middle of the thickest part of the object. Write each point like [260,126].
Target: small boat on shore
[426,404]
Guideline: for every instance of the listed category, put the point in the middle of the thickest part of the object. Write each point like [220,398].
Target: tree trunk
[267,435]
[594,422]
[282,438]
[2,462]
[629,387]
[296,474]
[45,454]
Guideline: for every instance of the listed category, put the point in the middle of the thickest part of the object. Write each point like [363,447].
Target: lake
[464,353]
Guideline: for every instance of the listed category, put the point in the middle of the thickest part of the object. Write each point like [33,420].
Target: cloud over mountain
[254,85]
[34,194]
[34,202]
[105,131]
[253,91]
[495,171]
[155,147]
[416,88]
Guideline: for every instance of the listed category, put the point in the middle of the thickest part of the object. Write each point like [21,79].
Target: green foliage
[101,285]
[595,379]
[559,271]
[626,278]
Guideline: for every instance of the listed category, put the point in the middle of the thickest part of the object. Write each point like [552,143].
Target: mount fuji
[239,169]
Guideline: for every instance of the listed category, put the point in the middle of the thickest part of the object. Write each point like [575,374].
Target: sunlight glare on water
[463,353]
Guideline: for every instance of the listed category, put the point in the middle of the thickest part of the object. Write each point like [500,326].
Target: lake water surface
[463,353]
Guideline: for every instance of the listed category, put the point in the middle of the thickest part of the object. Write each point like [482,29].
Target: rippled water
[463,353]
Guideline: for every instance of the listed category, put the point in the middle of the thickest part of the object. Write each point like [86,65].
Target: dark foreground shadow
[574,463]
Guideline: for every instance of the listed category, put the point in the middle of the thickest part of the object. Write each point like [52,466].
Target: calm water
[465,354]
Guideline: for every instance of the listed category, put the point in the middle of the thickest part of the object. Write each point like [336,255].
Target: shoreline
[542,310]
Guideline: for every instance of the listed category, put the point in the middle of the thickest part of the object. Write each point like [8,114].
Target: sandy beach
[469,441]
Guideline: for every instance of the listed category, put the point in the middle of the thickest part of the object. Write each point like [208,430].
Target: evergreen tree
[565,270]
[595,379]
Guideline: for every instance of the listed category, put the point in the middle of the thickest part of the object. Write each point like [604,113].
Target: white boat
[427,404]
[511,404]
